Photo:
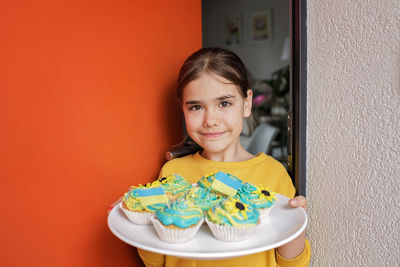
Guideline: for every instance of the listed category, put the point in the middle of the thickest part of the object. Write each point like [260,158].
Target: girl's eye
[225,104]
[195,107]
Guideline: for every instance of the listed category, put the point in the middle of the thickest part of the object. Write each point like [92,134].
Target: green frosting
[181,213]
[234,213]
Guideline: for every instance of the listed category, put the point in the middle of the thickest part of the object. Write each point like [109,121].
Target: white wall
[353,157]
[260,58]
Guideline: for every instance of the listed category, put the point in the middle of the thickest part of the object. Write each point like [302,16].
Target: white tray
[284,224]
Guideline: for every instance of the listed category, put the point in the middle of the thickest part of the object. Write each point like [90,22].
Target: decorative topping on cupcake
[150,196]
[232,212]
[181,213]
[132,201]
[239,205]
[221,182]
[266,193]
[259,197]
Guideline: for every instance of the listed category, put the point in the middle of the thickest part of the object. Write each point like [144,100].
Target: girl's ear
[248,102]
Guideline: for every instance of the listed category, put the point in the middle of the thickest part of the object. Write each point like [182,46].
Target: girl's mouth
[213,134]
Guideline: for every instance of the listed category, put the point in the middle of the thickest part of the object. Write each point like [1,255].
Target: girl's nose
[210,119]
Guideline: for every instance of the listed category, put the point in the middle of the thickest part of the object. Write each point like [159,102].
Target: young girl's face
[214,111]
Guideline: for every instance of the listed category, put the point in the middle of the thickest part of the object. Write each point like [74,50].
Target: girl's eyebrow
[192,102]
[224,97]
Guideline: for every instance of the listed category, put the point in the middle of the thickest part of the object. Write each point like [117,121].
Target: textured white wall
[353,164]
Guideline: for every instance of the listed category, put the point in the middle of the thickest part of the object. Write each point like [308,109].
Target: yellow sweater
[261,169]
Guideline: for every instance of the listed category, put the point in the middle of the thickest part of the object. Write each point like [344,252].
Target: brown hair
[219,61]
[215,60]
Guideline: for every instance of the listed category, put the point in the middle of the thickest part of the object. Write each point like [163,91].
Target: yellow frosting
[233,212]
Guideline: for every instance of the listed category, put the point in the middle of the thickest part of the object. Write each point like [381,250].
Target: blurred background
[258,31]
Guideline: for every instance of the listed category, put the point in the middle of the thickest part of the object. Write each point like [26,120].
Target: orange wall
[86,110]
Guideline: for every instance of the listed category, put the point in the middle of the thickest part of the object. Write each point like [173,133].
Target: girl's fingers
[298,201]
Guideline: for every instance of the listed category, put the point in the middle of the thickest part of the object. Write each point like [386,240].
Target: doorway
[270,38]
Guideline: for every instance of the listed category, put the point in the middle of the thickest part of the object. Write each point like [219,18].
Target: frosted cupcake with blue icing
[138,211]
[203,198]
[178,222]
[174,185]
[232,220]
[260,197]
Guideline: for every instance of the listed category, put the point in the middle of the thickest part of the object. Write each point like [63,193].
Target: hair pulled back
[214,60]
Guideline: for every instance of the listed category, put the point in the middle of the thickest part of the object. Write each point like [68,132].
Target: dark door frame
[297,117]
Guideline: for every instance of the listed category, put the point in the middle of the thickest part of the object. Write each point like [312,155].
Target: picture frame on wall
[232,30]
[261,26]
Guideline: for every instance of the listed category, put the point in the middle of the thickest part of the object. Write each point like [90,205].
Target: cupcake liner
[264,213]
[136,217]
[231,233]
[175,236]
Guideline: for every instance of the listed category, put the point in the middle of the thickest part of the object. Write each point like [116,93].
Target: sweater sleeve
[151,259]
[164,170]
[300,261]
[286,185]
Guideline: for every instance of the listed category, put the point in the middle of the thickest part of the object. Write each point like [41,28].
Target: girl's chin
[214,150]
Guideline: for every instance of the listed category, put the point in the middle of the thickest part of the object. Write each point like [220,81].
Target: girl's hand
[298,201]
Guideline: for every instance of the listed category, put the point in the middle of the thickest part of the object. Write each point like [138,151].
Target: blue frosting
[181,213]
[247,194]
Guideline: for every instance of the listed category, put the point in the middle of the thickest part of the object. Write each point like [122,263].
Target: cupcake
[221,182]
[178,222]
[261,198]
[203,198]
[135,210]
[174,186]
[232,220]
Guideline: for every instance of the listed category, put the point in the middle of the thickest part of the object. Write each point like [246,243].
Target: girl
[213,89]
